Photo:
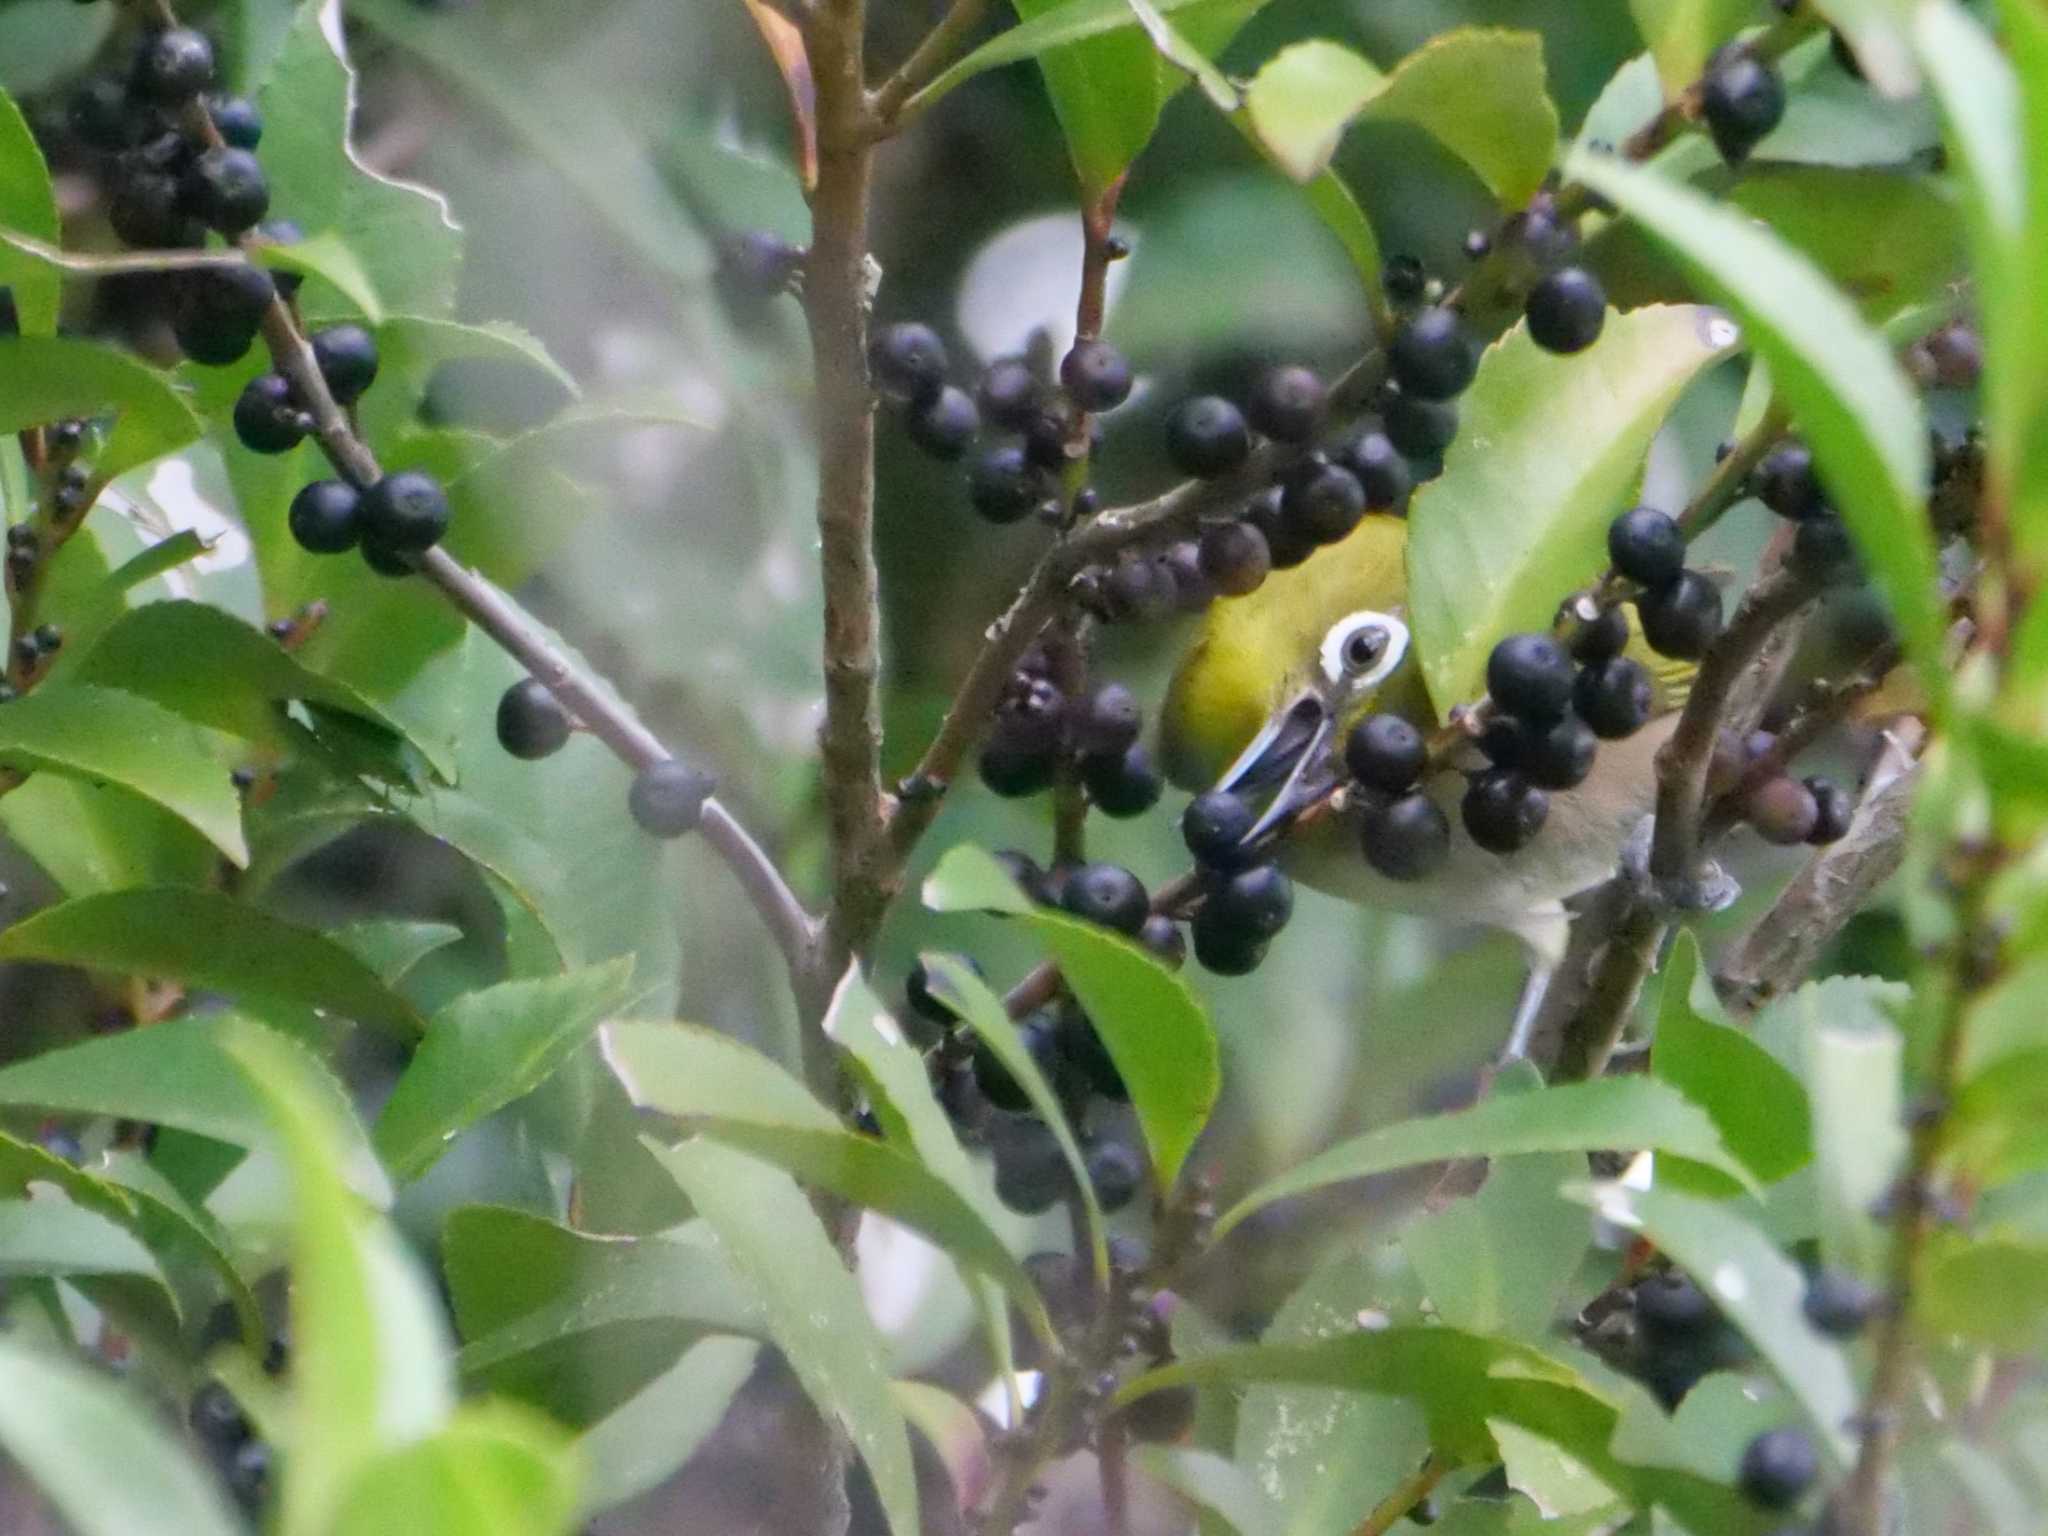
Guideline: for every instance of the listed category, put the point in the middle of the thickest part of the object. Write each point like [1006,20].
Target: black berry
[1192,589]
[282,232]
[1406,839]
[226,190]
[1124,784]
[1558,755]
[531,721]
[1385,752]
[1421,429]
[1224,950]
[924,1004]
[1671,1310]
[1004,485]
[1095,375]
[1787,483]
[1778,1466]
[1566,310]
[219,312]
[1014,772]
[1834,809]
[1234,558]
[1404,278]
[1742,99]
[1010,394]
[1614,697]
[1214,827]
[236,119]
[1107,720]
[1031,715]
[1107,894]
[1323,502]
[1115,1173]
[1822,550]
[1037,1034]
[759,264]
[1031,1171]
[1207,437]
[267,419]
[1430,356]
[908,360]
[146,211]
[216,1418]
[1839,1304]
[1286,545]
[1682,617]
[1503,811]
[1601,638]
[1381,471]
[1082,1051]
[1162,935]
[667,798]
[1646,546]
[943,425]
[1783,811]
[388,562]
[1024,871]
[1530,675]
[1287,404]
[173,64]
[99,114]
[1256,902]
[348,361]
[326,517]
[405,511]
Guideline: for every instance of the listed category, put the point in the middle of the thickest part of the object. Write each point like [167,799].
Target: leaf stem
[1408,1493]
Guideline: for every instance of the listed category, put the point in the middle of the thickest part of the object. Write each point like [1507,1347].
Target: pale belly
[1578,848]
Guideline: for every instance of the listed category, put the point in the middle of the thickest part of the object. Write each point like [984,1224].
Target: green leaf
[640,1444]
[48,378]
[1623,1113]
[65,1426]
[1854,407]
[411,347]
[164,555]
[370,1359]
[1057,26]
[327,256]
[1877,33]
[813,1307]
[204,939]
[27,207]
[1547,451]
[178,1073]
[2014,311]
[1757,1105]
[104,734]
[1888,239]
[495,1470]
[90,839]
[1683,33]
[1213,1484]
[486,1049]
[393,946]
[1993,1290]
[1156,1030]
[408,249]
[1757,1289]
[55,1237]
[731,1093]
[1480,91]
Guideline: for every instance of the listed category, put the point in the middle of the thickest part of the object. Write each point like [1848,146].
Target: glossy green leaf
[64,1426]
[486,1049]
[106,734]
[2016,312]
[1213,1484]
[1757,1105]
[393,946]
[1155,1028]
[370,1358]
[812,1305]
[164,555]
[1993,1290]
[1480,91]
[1888,239]
[410,348]
[1758,1290]
[55,1237]
[47,378]
[640,1444]
[1995,1128]
[179,1073]
[90,839]
[494,1470]
[27,207]
[1878,33]
[1571,1117]
[1548,450]
[1682,34]
[327,256]
[1073,21]
[1854,407]
[205,939]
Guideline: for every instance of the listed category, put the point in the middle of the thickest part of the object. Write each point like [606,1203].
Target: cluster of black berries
[1783,810]
[908,364]
[1680,1336]
[70,493]
[987,1102]
[667,797]
[231,1443]
[1038,729]
[1680,609]
[1245,898]
[1788,484]
[1742,98]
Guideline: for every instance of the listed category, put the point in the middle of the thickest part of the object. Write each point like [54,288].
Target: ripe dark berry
[1107,720]
[943,425]
[1403,278]
[1015,772]
[1004,485]
[326,517]
[1646,546]
[1385,752]
[1323,502]
[267,419]
[1682,617]
[1430,357]
[1783,811]
[531,721]
[1234,558]
[1602,638]
[1192,590]
[1082,1051]
[219,312]
[1207,437]
[1162,935]
[667,798]
[1214,827]
[1115,1173]
[1421,429]
[1287,404]
[1544,238]
[226,190]
[1787,483]
[1614,697]
[216,1418]
[1560,755]
[1778,1466]
[1382,472]
[407,511]
[908,360]
[172,65]
[348,361]
[924,1004]
[1122,784]
[1038,1035]
[1095,375]
[1138,588]
[1031,1171]
[1024,871]
[236,119]
[1107,894]
[1822,550]
[1408,838]
[1030,716]
[1742,99]
[1223,950]
[759,264]
[1566,310]
[146,211]
[394,563]
[99,113]
[1839,1304]
[1835,808]
[1503,811]
[1010,394]
[1286,545]
[1256,902]
[1671,1310]
[1530,675]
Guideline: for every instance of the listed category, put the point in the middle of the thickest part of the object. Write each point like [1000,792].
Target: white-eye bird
[1263,700]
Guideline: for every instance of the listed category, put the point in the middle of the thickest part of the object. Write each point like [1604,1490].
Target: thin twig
[1408,1493]
[927,59]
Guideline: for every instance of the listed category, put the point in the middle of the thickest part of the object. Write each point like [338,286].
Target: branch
[1411,1491]
[927,59]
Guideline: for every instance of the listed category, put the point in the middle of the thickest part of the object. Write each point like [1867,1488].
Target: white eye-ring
[1362,649]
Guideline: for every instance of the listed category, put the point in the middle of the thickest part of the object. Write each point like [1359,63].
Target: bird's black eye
[1362,647]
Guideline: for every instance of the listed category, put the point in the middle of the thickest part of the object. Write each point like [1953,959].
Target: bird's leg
[1527,1010]
[1711,889]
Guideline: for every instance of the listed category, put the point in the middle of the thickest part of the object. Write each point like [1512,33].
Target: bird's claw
[1711,888]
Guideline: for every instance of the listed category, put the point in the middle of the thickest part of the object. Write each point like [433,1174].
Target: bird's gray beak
[1289,758]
